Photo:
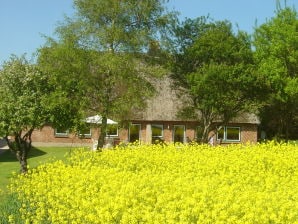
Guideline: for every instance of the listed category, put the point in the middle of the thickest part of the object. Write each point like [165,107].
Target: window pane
[179,133]
[233,133]
[112,130]
[220,133]
[85,132]
[157,130]
[157,133]
[134,132]
[61,132]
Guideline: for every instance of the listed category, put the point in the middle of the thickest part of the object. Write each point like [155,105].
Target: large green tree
[23,89]
[276,55]
[215,69]
[98,56]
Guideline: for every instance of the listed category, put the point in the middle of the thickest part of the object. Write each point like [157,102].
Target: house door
[179,133]
[134,132]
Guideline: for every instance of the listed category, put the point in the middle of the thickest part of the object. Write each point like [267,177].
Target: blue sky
[24,22]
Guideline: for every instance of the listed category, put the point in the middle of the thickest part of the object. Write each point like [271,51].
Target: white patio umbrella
[97,119]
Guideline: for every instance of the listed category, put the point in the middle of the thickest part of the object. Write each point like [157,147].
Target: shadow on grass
[9,156]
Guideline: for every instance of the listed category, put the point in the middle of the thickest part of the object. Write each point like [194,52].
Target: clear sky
[24,22]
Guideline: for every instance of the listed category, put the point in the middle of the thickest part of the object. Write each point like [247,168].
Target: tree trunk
[205,134]
[20,146]
[207,121]
[22,157]
[103,133]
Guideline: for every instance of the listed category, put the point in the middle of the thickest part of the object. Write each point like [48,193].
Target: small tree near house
[22,91]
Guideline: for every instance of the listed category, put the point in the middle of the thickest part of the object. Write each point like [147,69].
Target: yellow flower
[165,184]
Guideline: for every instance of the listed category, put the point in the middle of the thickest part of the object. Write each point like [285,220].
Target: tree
[102,49]
[276,55]
[23,89]
[184,35]
[219,78]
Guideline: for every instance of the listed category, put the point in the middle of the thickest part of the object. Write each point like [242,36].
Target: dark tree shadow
[9,156]
[35,152]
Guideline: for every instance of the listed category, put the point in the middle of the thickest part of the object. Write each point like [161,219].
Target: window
[221,133]
[61,132]
[112,130]
[134,132]
[179,133]
[233,133]
[157,132]
[227,133]
[85,132]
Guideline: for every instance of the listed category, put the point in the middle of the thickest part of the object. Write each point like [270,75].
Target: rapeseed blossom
[165,184]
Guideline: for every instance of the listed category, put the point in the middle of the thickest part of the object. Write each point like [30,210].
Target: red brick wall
[47,135]
[249,133]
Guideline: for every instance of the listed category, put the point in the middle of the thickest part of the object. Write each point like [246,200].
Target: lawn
[9,163]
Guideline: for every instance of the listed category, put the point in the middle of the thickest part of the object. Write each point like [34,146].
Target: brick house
[159,121]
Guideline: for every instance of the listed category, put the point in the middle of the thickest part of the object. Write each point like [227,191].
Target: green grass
[9,163]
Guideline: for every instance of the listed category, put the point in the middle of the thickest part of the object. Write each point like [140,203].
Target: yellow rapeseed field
[165,184]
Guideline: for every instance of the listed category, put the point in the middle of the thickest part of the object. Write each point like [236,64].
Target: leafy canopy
[23,89]
[215,68]
[276,56]
[98,59]
[23,93]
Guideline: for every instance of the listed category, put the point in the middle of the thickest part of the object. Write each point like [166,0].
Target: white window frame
[61,134]
[86,135]
[225,134]
[159,126]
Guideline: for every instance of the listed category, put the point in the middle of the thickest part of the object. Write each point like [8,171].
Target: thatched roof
[165,105]
[247,118]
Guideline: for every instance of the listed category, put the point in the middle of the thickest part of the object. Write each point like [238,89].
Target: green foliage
[98,61]
[23,89]
[125,26]
[276,55]
[215,68]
